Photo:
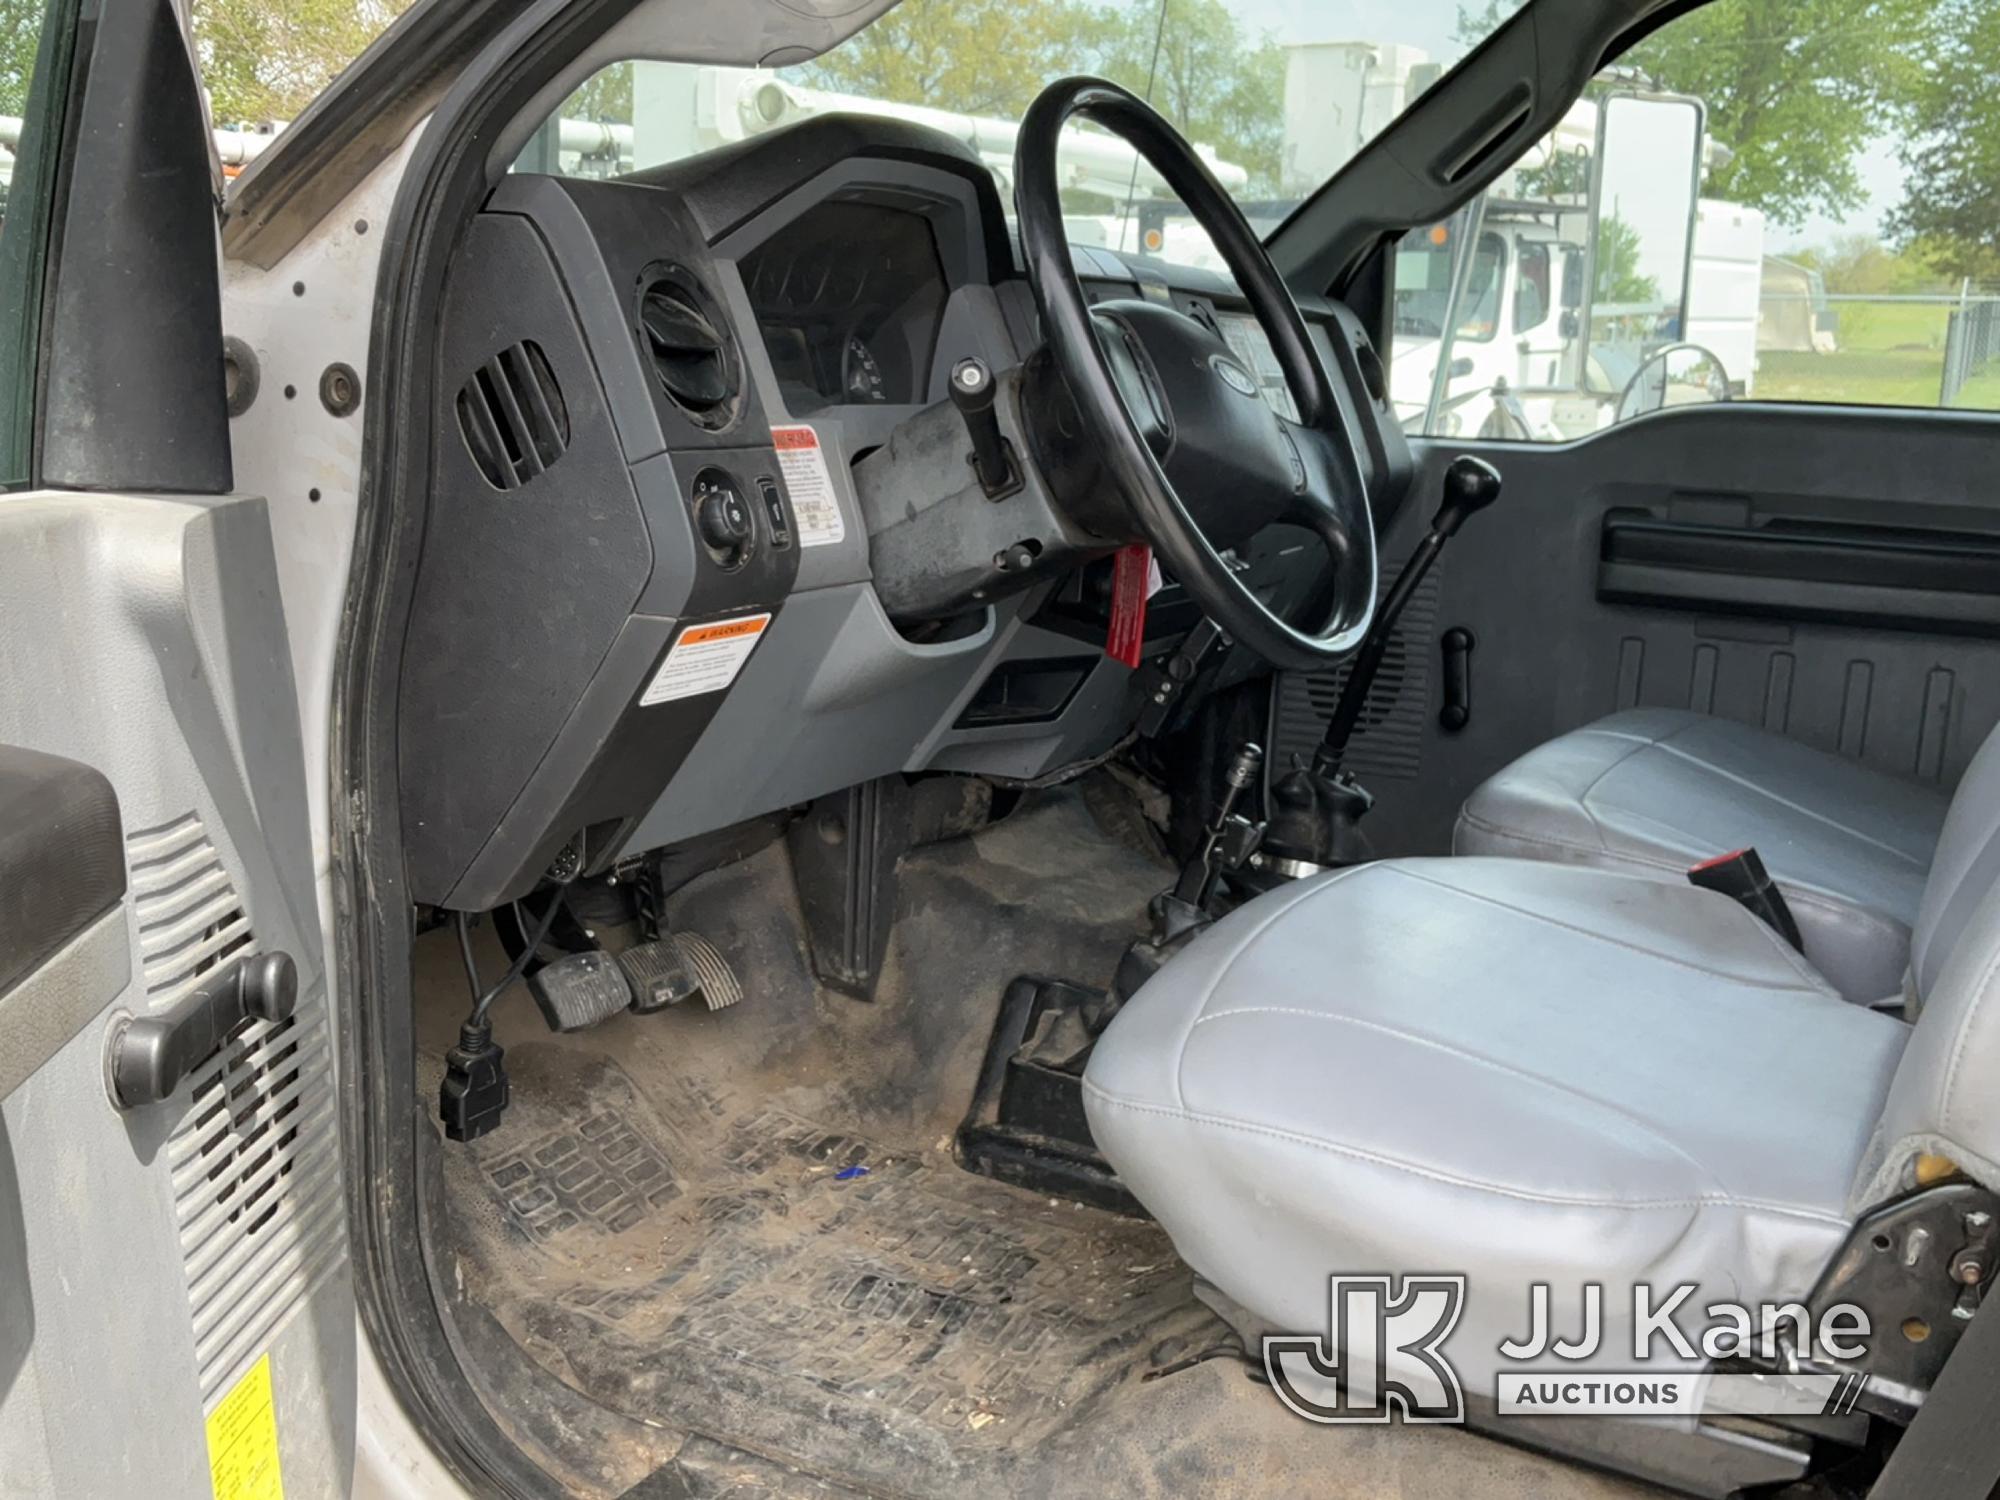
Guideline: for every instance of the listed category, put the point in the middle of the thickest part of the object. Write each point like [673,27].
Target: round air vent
[690,347]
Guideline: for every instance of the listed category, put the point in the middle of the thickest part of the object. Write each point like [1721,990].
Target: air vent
[512,415]
[690,348]
[254,1160]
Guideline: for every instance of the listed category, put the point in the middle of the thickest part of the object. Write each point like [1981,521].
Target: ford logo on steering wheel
[1234,375]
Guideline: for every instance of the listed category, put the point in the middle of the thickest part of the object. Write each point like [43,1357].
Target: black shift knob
[1470,485]
[972,393]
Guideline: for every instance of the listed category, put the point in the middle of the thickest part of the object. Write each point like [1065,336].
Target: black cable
[483,1001]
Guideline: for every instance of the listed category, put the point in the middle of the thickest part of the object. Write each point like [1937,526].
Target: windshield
[1275,94]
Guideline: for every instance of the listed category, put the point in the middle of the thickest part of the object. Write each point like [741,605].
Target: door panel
[176,1313]
[1765,563]
[165,1249]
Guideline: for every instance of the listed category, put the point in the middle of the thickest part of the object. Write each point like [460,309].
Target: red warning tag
[1131,587]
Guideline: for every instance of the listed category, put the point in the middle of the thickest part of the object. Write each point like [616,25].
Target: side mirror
[1460,367]
[1572,287]
[1644,202]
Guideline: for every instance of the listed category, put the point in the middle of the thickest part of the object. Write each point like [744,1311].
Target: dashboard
[656,585]
[858,326]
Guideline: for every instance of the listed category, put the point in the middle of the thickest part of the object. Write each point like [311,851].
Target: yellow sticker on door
[243,1440]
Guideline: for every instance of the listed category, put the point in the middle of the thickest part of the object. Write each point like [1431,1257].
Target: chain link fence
[1925,349]
[1971,345]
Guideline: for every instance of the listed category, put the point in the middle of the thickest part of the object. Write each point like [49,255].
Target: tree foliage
[1619,278]
[1950,213]
[267,59]
[20,35]
[1219,84]
[1795,89]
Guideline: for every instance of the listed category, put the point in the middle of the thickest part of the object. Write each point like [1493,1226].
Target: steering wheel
[1182,428]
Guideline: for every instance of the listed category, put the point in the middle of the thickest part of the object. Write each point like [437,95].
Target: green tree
[20,35]
[1950,213]
[1219,84]
[1618,279]
[975,57]
[1795,89]
[1860,264]
[268,59]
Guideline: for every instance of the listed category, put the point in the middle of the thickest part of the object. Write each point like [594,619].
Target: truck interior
[942,809]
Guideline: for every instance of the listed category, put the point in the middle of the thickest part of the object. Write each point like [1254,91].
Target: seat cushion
[1517,1070]
[1656,790]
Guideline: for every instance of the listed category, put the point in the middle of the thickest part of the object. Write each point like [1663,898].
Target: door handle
[150,1055]
[1457,710]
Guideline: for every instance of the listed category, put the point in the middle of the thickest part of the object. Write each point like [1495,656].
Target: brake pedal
[659,976]
[580,989]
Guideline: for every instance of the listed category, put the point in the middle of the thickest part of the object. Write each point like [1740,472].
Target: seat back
[1945,1098]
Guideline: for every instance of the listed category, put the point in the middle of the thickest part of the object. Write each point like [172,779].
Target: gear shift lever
[1470,485]
[1315,809]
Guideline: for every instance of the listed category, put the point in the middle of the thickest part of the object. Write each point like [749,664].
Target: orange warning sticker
[704,659]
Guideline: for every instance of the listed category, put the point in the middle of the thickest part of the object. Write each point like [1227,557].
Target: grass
[1888,354]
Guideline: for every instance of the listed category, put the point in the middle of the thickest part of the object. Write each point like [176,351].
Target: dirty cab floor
[747,1225]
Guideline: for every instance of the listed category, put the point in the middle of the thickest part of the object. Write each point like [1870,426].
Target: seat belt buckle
[1740,875]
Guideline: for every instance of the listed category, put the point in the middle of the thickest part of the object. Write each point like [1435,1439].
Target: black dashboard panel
[858,326]
[547,602]
[606,488]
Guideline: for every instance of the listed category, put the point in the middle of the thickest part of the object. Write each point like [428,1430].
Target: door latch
[149,1056]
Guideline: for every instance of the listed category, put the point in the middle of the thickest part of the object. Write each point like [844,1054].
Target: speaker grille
[255,1159]
[1388,740]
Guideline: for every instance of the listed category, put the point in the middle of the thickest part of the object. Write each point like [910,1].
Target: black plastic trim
[1908,578]
[62,856]
[132,378]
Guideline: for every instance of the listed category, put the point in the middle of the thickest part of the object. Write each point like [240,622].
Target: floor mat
[746,1225]
[741,1270]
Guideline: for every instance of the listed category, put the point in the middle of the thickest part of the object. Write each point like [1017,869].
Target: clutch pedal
[580,989]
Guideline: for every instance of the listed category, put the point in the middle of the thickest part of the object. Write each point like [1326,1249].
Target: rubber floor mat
[885,1320]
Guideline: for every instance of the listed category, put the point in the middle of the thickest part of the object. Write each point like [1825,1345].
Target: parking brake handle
[1470,485]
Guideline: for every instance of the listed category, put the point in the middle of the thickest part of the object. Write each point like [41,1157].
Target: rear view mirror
[1645,195]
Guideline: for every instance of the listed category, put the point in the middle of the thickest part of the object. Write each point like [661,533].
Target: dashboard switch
[774,510]
[722,517]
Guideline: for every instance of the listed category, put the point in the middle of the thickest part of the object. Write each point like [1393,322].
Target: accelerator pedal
[580,989]
[712,975]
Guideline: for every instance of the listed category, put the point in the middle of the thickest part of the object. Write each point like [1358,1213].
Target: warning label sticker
[243,1440]
[704,659]
[813,499]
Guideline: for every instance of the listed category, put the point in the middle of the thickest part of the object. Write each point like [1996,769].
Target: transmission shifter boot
[1315,823]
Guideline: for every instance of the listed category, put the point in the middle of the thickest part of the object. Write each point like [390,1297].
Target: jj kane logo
[1382,1357]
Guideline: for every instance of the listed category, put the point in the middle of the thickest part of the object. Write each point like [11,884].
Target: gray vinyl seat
[1528,1071]
[1656,790]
